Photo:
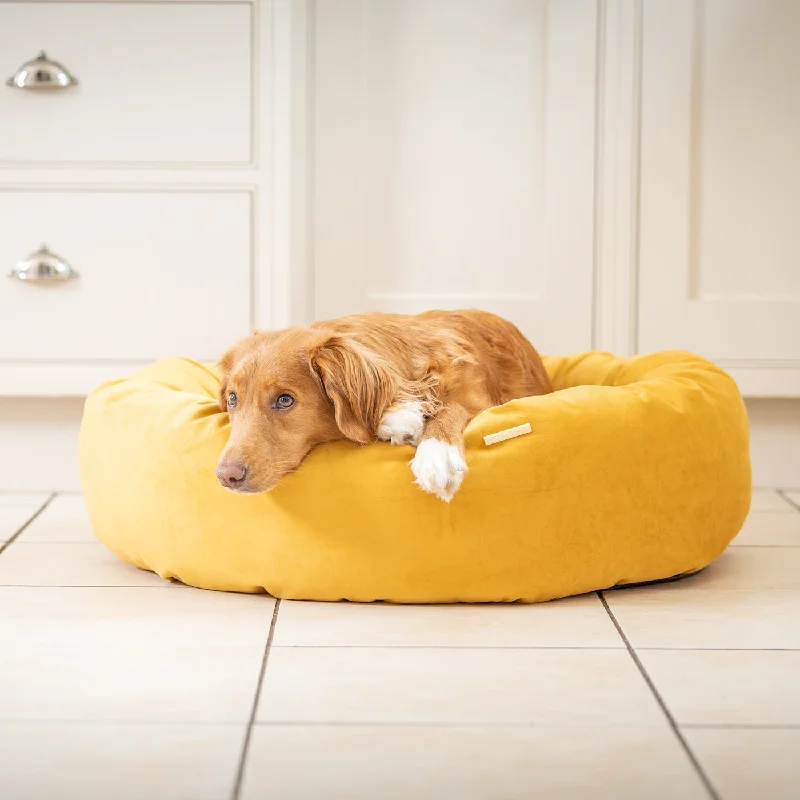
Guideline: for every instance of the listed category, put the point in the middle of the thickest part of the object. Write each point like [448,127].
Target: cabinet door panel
[161,274]
[719,270]
[159,83]
[454,160]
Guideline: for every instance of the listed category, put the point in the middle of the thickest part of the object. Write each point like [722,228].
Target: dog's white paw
[439,468]
[402,424]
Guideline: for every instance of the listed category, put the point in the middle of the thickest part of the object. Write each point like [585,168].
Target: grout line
[782,494]
[89,585]
[5,545]
[67,541]
[613,648]
[763,545]
[754,512]
[24,492]
[121,722]
[444,723]
[670,719]
[591,648]
[376,723]
[751,546]
[237,785]
[748,726]
[175,586]
[686,649]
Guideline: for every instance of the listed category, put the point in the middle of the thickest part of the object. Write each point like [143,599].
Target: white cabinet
[152,176]
[158,83]
[620,175]
[453,151]
[152,281]
[719,265]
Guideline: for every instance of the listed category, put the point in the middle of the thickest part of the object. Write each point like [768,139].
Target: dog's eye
[232,398]
[285,401]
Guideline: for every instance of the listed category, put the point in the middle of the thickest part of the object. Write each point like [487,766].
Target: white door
[453,150]
[720,186]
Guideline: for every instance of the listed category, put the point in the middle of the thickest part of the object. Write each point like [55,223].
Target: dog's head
[288,391]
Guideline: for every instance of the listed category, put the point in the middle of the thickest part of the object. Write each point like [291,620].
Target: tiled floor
[114,683]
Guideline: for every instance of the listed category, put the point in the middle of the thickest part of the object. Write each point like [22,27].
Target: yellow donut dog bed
[637,470]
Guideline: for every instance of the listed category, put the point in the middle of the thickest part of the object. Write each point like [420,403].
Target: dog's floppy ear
[360,384]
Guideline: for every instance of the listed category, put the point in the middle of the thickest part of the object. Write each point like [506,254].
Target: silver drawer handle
[43,267]
[42,73]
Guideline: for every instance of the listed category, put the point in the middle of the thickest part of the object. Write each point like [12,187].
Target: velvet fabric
[636,469]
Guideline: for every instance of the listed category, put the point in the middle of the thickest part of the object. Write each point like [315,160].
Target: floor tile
[727,687]
[16,510]
[749,568]
[78,761]
[469,763]
[132,616]
[493,685]
[70,564]
[769,500]
[64,520]
[769,530]
[574,622]
[744,764]
[130,654]
[683,617]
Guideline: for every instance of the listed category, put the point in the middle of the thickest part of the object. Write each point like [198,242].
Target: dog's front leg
[403,423]
[439,465]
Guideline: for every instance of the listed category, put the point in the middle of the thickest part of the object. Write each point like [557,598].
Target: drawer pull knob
[43,267]
[42,73]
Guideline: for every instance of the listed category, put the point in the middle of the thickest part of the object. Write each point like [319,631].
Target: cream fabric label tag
[508,433]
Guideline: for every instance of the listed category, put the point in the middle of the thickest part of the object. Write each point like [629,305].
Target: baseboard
[39,436]
[775,441]
[39,443]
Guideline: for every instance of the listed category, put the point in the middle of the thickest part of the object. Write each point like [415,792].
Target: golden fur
[345,375]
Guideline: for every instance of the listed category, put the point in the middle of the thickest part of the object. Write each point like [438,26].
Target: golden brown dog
[413,380]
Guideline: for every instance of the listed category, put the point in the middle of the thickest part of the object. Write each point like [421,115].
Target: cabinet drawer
[158,83]
[160,274]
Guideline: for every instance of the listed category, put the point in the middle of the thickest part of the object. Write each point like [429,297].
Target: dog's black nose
[231,475]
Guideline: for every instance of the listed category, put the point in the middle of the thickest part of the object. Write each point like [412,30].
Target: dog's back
[448,342]
[500,343]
